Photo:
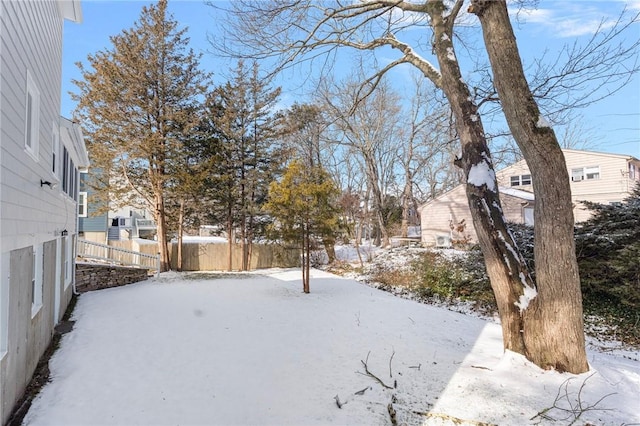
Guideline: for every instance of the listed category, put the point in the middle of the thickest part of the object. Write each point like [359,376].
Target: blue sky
[614,122]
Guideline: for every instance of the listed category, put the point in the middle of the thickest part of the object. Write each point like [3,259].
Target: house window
[585,173]
[36,279]
[520,180]
[82,204]
[632,171]
[55,148]
[65,169]
[68,260]
[32,118]
[592,172]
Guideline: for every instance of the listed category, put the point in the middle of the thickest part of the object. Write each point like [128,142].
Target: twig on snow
[392,414]
[370,374]
[361,392]
[575,408]
[390,359]
[454,420]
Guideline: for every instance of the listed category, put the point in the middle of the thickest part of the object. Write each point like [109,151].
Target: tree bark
[505,266]
[230,240]
[180,232]
[553,323]
[161,226]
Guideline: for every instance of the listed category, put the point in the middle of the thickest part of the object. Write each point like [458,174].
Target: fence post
[158,265]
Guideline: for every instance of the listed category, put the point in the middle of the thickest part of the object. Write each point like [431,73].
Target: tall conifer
[137,101]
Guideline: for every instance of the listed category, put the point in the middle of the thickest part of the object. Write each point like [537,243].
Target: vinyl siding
[94,222]
[31,215]
[31,40]
[436,215]
[613,185]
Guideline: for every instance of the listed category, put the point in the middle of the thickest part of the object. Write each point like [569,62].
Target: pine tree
[303,205]
[241,115]
[137,101]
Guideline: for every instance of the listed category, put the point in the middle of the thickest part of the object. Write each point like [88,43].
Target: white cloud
[574,19]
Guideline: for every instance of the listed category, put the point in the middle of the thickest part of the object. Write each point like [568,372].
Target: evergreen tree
[241,116]
[608,250]
[303,204]
[137,102]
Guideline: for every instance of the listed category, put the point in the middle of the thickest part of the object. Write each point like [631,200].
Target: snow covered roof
[525,195]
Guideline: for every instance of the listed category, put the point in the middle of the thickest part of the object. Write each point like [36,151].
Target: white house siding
[452,207]
[32,217]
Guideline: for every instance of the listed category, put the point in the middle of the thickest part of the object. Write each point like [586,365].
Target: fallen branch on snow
[575,408]
[370,374]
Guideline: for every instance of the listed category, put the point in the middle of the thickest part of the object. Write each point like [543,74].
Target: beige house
[595,176]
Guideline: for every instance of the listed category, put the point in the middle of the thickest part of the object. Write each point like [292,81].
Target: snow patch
[529,293]
[410,52]
[482,174]
[450,55]
[542,122]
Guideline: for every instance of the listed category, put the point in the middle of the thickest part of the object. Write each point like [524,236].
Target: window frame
[82,204]
[37,279]
[520,180]
[68,260]
[55,151]
[589,171]
[32,118]
[579,174]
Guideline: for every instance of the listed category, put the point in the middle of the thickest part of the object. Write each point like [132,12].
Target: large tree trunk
[230,239]
[180,233]
[161,230]
[407,200]
[372,178]
[505,266]
[553,323]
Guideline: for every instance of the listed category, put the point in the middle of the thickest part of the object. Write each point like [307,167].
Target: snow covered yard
[194,349]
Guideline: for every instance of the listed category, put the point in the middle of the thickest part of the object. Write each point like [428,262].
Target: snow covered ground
[252,349]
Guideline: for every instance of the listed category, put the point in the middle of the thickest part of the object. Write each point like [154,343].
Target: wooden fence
[215,256]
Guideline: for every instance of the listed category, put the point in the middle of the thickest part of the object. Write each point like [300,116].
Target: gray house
[41,155]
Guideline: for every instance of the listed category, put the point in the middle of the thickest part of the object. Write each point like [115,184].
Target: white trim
[32,118]
[82,204]
[4,304]
[37,279]
[68,261]
[55,152]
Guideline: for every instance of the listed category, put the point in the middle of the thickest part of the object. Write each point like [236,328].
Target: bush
[608,254]
[446,275]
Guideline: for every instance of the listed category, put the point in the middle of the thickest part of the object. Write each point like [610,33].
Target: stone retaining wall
[92,276]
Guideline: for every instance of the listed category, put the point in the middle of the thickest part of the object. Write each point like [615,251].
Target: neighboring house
[129,223]
[41,155]
[125,223]
[595,176]
[93,224]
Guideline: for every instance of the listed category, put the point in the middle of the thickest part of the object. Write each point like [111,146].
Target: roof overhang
[73,139]
[71,10]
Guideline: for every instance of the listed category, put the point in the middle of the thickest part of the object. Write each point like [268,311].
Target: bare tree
[367,131]
[295,31]
[554,315]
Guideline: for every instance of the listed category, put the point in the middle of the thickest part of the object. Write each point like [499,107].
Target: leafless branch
[566,408]
[370,374]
